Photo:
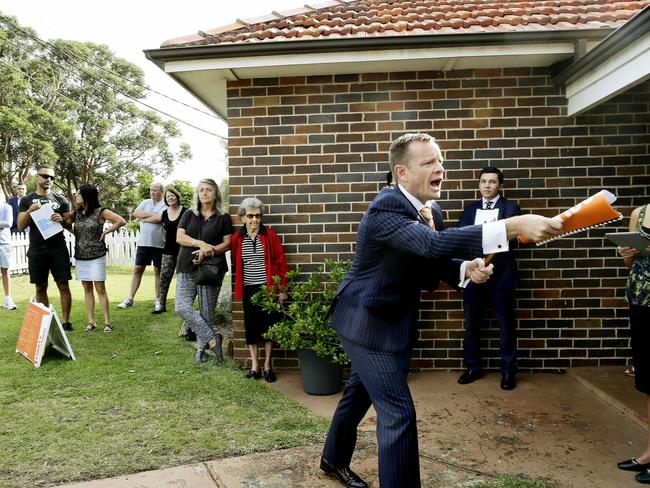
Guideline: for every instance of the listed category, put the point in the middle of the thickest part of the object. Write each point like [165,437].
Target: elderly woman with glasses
[257,256]
[203,232]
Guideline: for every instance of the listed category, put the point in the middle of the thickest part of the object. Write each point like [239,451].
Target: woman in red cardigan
[257,256]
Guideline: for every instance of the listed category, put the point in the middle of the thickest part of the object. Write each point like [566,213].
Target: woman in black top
[90,249]
[170,218]
[203,232]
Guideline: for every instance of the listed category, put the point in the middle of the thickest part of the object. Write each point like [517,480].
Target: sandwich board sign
[41,326]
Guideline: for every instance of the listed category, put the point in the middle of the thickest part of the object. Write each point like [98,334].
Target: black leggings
[167,268]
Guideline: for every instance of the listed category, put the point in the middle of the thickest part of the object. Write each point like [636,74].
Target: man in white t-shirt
[150,244]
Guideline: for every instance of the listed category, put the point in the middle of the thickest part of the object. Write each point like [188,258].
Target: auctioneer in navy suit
[499,291]
[397,255]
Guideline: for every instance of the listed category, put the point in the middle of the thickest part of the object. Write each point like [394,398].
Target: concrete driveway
[552,426]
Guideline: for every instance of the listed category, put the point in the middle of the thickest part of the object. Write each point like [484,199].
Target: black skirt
[256,320]
[639,340]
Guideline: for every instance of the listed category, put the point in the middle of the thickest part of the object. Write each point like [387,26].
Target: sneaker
[67,326]
[9,304]
[128,302]
[157,306]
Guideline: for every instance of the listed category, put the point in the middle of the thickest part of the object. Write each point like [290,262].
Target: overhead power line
[75,102]
[105,83]
[74,55]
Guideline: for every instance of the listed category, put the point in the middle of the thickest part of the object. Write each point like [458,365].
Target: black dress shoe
[643,477]
[346,476]
[632,465]
[470,376]
[508,381]
[253,375]
[269,375]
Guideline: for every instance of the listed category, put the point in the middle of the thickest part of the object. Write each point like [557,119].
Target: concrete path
[552,427]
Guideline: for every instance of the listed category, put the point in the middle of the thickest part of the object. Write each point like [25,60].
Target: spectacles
[252,216]
[46,176]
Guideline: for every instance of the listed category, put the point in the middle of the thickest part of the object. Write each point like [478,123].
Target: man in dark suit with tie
[14,201]
[398,253]
[499,292]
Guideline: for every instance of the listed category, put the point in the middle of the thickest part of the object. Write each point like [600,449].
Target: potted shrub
[305,328]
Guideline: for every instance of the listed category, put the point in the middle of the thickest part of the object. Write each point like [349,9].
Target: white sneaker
[128,302]
[9,304]
[157,305]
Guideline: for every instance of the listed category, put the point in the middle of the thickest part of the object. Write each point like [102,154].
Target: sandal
[90,326]
[108,328]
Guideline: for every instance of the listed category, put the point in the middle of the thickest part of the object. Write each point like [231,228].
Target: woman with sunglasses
[257,256]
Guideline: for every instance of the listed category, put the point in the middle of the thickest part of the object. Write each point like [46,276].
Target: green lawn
[133,400]
[512,482]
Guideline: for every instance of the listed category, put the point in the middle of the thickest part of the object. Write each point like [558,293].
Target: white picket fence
[121,248]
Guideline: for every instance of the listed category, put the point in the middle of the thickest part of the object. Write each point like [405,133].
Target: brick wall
[315,150]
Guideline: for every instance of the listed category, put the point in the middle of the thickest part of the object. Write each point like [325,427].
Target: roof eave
[634,29]
[162,55]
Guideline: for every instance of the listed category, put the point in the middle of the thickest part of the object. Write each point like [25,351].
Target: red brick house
[314,96]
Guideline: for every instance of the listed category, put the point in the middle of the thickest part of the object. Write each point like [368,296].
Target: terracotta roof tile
[363,18]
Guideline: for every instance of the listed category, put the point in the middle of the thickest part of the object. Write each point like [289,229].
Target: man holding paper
[499,292]
[45,213]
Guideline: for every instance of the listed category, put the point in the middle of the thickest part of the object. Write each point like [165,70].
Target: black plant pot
[319,375]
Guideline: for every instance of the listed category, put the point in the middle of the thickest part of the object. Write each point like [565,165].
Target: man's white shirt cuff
[495,238]
[463,281]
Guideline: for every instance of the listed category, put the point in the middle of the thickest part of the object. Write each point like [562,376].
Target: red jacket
[274,259]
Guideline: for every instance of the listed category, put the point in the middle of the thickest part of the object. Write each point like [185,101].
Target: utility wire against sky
[16,30]
[42,84]
[74,55]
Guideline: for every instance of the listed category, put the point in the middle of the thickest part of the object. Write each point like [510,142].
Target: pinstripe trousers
[378,378]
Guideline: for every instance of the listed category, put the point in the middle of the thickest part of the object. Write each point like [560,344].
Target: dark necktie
[488,205]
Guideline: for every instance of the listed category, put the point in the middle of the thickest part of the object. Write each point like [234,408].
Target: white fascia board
[385,56]
[628,68]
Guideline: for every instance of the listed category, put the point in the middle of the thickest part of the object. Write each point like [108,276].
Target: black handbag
[211,271]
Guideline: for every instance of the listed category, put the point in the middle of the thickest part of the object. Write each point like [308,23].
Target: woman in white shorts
[6,220]
[90,249]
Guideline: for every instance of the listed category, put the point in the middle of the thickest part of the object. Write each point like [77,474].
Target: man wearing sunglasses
[47,255]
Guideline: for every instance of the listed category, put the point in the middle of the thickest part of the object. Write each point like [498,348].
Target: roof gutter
[314,46]
[637,27]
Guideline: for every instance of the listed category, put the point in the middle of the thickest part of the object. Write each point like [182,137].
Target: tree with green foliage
[72,104]
[31,118]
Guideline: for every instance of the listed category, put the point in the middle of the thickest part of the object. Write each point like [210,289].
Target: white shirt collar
[414,201]
[494,201]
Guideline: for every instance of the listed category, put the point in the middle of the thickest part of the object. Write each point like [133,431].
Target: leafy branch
[305,322]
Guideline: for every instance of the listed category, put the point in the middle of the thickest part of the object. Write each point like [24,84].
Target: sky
[130,26]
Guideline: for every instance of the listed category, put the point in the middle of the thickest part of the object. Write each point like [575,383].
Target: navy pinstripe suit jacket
[397,255]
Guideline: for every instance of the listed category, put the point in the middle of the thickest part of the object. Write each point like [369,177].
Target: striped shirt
[252,253]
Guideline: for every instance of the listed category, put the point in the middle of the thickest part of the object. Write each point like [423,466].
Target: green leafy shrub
[304,323]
